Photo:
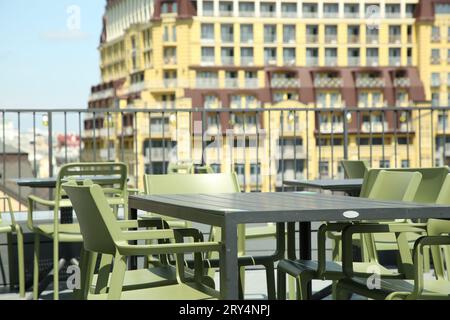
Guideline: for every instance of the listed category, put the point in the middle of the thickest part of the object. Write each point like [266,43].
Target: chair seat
[170,292]
[333,270]
[432,288]
[67,232]
[146,278]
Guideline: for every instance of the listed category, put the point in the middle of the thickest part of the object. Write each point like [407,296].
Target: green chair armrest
[170,248]
[350,230]
[154,222]
[419,246]
[35,199]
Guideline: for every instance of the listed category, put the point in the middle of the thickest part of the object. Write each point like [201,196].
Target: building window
[435,79]
[289,56]
[323,168]
[405,163]
[208,8]
[270,56]
[435,99]
[226,8]
[226,33]
[442,8]
[270,34]
[351,10]
[247,33]
[246,9]
[435,56]
[268,9]
[392,10]
[208,31]
[208,55]
[310,10]
[247,56]
[289,10]
[289,34]
[385,164]
[227,56]
[330,10]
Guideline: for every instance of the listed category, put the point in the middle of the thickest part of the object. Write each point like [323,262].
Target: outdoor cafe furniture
[103,234]
[59,232]
[355,169]
[216,184]
[401,186]
[12,227]
[229,210]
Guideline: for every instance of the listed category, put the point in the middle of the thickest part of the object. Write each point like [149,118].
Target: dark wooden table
[229,210]
[351,186]
[51,182]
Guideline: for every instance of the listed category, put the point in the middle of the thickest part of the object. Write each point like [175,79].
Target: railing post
[50,144]
[345,135]
[203,136]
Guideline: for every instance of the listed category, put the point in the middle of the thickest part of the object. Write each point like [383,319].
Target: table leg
[132,215]
[229,271]
[305,245]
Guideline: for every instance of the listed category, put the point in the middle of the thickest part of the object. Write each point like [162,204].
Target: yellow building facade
[310,70]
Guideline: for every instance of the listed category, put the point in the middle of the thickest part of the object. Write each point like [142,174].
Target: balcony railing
[284,83]
[354,61]
[310,15]
[125,140]
[435,60]
[312,38]
[247,61]
[312,61]
[372,61]
[251,83]
[368,82]
[395,61]
[372,39]
[268,14]
[331,61]
[402,82]
[327,82]
[227,60]
[330,39]
[207,83]
[395,38]
[231,83]
[289,14]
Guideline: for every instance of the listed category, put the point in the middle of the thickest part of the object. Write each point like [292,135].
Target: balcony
[395,61]
[372,61]
[310,15]
[374,127]
[207,83]
[369,82]
[312,38]
[372,39]
[435,60]
[246,14]
[170,60]
[225,13]
[331,15]
[354,61]
[247,61]
[327,82]
[436,82]
[137,87]
[251,83]
[331,61]
[100,95]
[312,61]
[208,13]
[285,83]
[170,83]
[289,14]
[328,128]
[291,152]
[353,39]
[330,39]
[268,14]
[435,38]
[395,38]
[392,15]
[231,83]
[352,15]
[207,61]
[402,82]
[227,60]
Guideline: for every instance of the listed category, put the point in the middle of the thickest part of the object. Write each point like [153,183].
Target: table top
[51,182]
[281,207]
[327,184]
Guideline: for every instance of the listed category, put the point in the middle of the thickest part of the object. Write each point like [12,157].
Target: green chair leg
[55,269]
[37,244]
[270,280]
[117,277]
[10,262]
[20,258]
[104,271]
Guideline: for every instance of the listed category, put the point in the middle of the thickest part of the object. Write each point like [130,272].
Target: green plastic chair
[355,169]
[400,186]
[115,186]
[185,168]
[11,228]
[103,234]
[419,288]
[215,183]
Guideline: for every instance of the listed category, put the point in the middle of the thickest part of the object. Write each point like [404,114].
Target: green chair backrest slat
[355,169]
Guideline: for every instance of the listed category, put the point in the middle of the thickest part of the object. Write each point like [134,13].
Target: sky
[48,52]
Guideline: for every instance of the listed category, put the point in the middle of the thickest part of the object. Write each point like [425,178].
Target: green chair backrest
[180,168]
[429,188]
[191,183]
[355,169]
[437,227]
[98,224]
[395,186]
[113,174]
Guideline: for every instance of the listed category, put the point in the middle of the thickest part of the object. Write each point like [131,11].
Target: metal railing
[37,142]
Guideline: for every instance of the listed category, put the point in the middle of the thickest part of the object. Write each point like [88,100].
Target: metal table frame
[229,210]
